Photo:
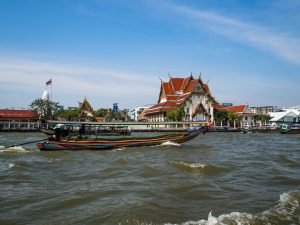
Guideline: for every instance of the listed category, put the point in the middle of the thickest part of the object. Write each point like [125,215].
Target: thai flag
[49,82]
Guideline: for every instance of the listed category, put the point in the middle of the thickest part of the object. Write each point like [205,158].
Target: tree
[221,116]
[45,109]
[101,112]
[233,117]
[257,118]
[68,114]
[262,118]
[121,115]
[175,115]
[266,118]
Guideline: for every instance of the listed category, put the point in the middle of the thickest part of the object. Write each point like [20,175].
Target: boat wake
[12,149]
[170,143]
[285,212]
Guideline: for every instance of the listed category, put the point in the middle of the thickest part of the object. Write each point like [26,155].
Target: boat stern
[40,146]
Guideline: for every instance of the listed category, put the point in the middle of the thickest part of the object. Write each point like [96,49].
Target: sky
[116,51]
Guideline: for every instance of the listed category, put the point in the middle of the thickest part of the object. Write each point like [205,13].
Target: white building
[285,116]
[138,111]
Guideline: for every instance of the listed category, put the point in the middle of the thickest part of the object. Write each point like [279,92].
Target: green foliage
[175,115]
[45,109]
[68,114]
[102,112]
[263,118]
[267,118]
[121,115]
[257,117]
[221,116]
[233,116]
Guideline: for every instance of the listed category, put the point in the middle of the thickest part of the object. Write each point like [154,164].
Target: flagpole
[51,89]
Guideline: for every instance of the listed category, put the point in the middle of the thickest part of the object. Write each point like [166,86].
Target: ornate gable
[85,109]
[162,93]
[199,88]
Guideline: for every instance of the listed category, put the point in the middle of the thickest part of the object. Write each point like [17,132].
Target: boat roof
[74,123]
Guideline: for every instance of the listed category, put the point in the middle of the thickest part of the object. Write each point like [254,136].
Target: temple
[85,110]
[189,93]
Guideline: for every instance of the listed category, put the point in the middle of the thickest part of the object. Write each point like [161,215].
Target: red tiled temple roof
[206,87]
[176,83]
[8,114]
[176,91]
[167,88]
[237,108]
[192,84]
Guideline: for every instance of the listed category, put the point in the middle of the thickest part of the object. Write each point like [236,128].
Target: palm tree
[233,117]
[265,118]
[221,116]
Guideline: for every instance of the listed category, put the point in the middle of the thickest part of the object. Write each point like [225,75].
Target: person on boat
[60,131]
[81,130]
[57,133]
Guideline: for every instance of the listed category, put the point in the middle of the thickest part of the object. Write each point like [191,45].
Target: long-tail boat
[290,129]
[103,143]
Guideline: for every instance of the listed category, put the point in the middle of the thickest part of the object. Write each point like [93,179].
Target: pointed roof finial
[191,76]
[200,76]
[169,75]
[160,79]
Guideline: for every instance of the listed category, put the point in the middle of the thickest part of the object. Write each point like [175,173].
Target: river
[217,178]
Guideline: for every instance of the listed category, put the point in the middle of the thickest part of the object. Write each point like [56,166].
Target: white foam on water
[12,149]
[285,210]
[288,204]
[232,218]
[10,165]
[191,165]
[170,143]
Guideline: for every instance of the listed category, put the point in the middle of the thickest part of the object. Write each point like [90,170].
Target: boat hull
[296,131]
[110,143]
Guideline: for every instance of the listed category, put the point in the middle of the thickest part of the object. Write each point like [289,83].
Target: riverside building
[18,120]
[189,93]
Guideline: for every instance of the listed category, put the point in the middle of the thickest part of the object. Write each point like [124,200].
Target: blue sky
[116,50]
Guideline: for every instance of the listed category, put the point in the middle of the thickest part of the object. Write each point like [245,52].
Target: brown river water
[217,178]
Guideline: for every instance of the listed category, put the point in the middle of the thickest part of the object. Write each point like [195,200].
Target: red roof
[167,88]
[192,84]
[237,108]
[206,88]
[6,114]
[176,91]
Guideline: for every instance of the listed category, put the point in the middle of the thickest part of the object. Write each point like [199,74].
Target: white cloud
[263,38]
[73,82]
